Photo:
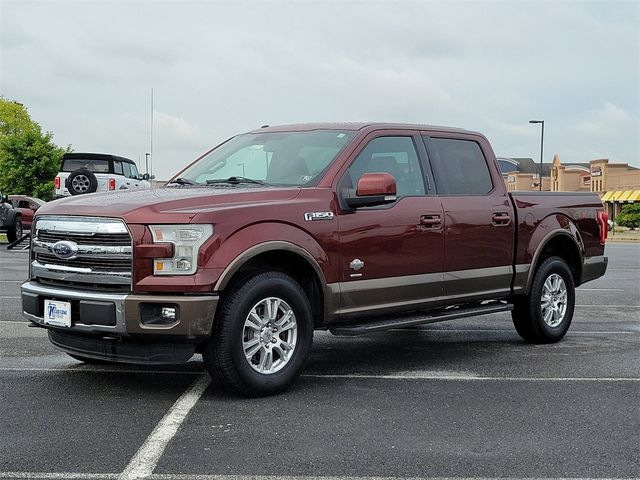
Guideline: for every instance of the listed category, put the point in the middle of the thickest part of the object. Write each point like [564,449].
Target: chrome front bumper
[123,314]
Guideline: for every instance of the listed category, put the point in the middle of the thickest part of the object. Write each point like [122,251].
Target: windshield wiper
[182,181]
[236,180]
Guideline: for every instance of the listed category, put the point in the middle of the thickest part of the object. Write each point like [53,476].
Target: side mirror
[4,198]
[373,189]
[145,176]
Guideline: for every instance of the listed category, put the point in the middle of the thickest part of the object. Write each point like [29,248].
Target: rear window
[93,165]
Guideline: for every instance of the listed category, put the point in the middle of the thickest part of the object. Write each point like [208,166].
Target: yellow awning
[613,196]
[607,196]
[625,196]
[634,197]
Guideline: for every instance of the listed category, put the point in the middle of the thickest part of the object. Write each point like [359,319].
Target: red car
[27,206]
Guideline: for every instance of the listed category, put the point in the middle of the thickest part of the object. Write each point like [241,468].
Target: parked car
[82,173]
[10,219]
[27,206]
[353,228]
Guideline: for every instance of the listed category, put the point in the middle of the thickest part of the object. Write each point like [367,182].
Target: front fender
[259,238]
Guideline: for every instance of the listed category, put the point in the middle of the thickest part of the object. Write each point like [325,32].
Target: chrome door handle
[432,221]
[501,219]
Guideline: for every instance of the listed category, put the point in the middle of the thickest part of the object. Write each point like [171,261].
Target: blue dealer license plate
[57,313]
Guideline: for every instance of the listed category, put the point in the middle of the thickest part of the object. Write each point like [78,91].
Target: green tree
[29,160]
[629,216]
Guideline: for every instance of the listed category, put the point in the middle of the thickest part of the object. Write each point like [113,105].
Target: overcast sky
[85,69]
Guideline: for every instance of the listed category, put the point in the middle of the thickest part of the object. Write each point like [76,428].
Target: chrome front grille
[122,239]
[82,252]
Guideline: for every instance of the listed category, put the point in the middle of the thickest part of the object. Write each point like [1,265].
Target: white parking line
[26,323]
[144,462]
[466,378]
[355,376]
[87,369]
[171,476]
[59,475]
[178,476]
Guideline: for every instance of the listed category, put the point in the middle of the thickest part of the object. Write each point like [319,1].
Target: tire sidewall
[93,181]
[12,233]
[257,289]
[18,228]
[550,266]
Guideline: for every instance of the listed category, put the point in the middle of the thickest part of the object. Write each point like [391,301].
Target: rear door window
[126,169]
[117,167]
[459,166]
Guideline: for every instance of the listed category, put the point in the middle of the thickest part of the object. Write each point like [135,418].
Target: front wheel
[262,335]
[545,314]
[15,231]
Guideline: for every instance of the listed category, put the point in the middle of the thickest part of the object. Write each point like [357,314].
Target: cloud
[177,127]
[85,70]
[608,121]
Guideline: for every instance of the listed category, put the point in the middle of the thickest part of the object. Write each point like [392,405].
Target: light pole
[146,161]
[541,147]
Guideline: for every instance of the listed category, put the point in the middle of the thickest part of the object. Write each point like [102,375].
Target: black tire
[89,360]
[224,354]
[81,181]
[15,231]
[527,314]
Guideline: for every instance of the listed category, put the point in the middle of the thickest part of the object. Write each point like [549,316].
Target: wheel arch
[562,243]
[285,257]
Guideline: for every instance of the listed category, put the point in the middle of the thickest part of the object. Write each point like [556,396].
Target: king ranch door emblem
[356,264]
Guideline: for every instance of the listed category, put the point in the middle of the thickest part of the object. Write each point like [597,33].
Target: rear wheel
[262,336]
[544,316]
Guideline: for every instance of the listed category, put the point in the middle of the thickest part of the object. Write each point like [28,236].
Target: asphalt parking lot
[462,399]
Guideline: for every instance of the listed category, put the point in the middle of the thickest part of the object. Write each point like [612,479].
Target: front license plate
[57,313]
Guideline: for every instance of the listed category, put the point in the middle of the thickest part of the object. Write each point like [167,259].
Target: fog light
[168,313]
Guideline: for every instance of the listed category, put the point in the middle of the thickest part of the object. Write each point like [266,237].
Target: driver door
[392,254]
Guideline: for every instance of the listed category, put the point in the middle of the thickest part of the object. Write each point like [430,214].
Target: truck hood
[167,204]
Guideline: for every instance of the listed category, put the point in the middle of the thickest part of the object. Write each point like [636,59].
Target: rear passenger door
[478,217]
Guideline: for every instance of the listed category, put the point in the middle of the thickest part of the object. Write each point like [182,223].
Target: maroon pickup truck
[281,231]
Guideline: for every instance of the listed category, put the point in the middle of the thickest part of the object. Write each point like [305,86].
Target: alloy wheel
[269,335]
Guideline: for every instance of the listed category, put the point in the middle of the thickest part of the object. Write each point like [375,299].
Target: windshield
[280,158]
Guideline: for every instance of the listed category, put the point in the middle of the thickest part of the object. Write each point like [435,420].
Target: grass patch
[3,237]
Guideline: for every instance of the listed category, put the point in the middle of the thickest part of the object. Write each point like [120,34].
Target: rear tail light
[56,183]
[603,222]
[112,184]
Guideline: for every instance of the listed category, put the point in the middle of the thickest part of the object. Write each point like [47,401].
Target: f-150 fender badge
[313,216]
[356,264]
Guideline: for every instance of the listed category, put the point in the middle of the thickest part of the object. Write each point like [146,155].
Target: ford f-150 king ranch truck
[352,228]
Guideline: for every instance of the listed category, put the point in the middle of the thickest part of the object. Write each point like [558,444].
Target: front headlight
[187,240]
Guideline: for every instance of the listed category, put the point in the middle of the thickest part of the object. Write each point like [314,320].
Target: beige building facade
[617,183]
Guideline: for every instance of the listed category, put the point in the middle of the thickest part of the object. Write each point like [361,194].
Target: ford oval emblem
[65,249]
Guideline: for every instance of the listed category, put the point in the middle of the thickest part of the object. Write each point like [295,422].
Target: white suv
[96,172]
